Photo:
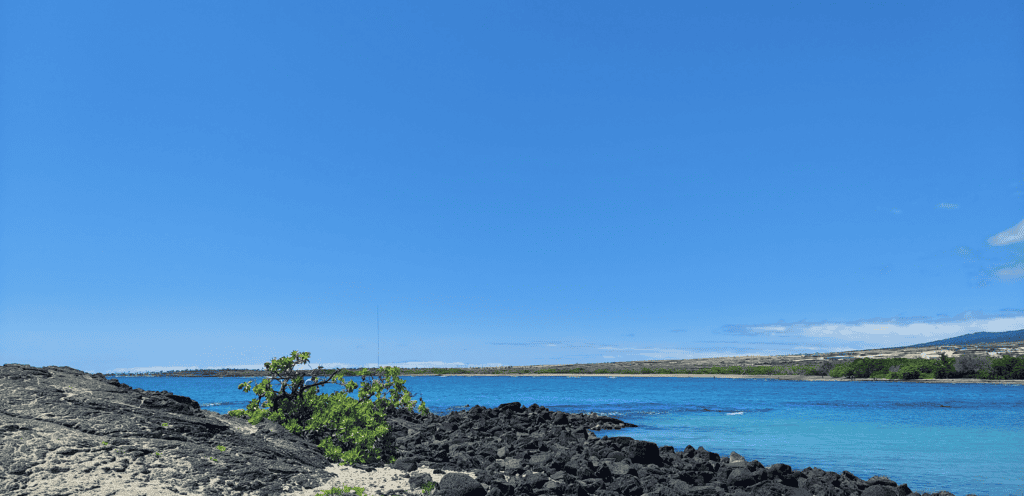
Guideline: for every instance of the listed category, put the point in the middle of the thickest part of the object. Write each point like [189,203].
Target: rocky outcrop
[63,431]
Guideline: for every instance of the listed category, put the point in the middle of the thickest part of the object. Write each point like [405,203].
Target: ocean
[961,438]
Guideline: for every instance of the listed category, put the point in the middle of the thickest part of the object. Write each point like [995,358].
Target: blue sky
[197,184]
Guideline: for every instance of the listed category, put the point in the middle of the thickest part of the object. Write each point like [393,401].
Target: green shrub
[845,370]
[348,430]
[334,490]
[909,373]
[945,368]
[893,368]
[1008,367]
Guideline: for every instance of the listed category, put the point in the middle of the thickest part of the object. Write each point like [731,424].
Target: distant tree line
[969,366]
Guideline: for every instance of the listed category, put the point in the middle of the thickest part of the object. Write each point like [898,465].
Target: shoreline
[807,378]
[1012,382]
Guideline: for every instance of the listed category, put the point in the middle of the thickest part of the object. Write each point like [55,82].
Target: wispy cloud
[769,330]
[1010,273]
[1012,268]
[1012,235]
[948,206]
[889,332]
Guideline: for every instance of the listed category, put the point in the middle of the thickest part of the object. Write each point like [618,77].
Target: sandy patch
[378,482]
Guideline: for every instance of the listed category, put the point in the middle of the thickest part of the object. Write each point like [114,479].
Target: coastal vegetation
[962,367]
[347,430]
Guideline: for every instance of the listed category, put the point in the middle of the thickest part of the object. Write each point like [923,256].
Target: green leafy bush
[945,367]
[1008,367]
[912,370]
[860,368]
[347,490]
[348,430]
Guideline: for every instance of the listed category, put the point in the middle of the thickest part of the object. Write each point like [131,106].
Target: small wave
[735,413]
[212,404]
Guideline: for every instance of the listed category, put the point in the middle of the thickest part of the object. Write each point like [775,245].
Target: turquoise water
[897,430]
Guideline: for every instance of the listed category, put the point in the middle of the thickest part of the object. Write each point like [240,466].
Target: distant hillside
[977,338]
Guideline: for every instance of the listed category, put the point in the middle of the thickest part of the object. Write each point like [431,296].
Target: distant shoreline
[808,378]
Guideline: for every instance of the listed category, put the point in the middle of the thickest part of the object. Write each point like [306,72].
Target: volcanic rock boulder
[63,431]
[533,451]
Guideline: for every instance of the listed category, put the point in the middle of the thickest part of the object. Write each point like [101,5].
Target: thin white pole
[378,339]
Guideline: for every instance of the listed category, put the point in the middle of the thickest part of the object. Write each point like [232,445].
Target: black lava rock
[516,451]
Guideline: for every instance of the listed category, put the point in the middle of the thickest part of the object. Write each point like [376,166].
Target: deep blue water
[869,428]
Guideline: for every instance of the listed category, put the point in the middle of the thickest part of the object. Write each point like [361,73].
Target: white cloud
[949,206]
[884,333]
[768,328]
[1010,274]
[1012,235]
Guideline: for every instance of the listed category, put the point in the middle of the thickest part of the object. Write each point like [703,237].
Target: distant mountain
[977,338]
